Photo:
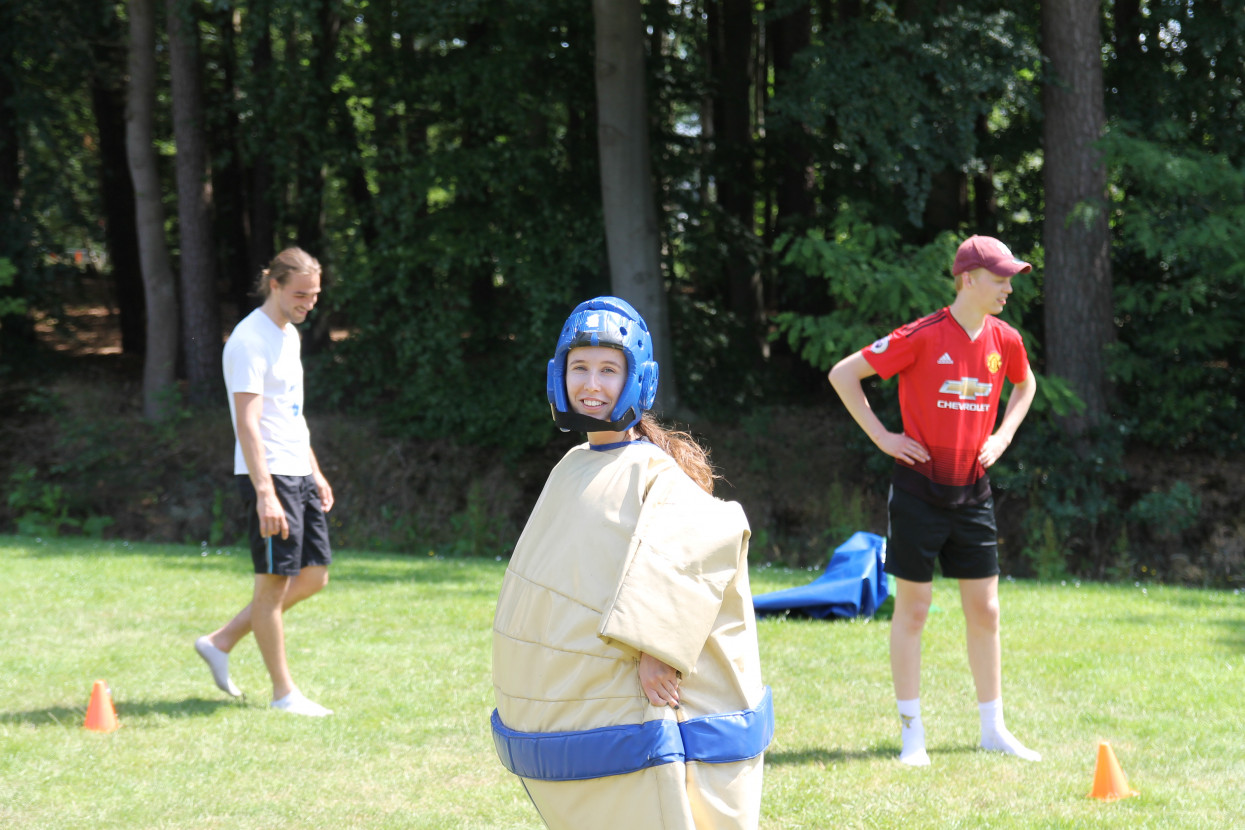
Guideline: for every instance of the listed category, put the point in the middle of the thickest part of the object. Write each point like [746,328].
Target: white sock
[912,730]
[218,662]
[295,703]
[994,735]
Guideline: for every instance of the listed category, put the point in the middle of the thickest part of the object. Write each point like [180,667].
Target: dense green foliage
[1180,312]
[896,103]
[814,164]
[486,233]
[9,305]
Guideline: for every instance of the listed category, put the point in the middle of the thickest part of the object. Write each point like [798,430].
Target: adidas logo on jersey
[945,360]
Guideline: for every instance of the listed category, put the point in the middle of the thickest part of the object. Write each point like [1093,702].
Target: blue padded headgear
[605,321]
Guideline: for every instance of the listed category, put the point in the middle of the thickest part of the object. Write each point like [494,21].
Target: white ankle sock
[994,734]
[297,704]
[912,731]
[218,662]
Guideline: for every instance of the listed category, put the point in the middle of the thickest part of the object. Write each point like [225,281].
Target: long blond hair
[691,457]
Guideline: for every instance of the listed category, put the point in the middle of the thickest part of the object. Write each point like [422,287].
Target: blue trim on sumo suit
[617,750]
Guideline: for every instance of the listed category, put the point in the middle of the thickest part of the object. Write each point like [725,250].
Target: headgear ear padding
[648,385]
[611,322]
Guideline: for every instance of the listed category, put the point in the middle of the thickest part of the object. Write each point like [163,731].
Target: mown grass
[399,647]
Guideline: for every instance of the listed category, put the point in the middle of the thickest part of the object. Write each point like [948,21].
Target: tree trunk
[789,158]
[116,189]
[794,175]
[313,183]
[17,334]
[985,201]
[117,194]
[161,357]
[261,215]
[1132,101]
[317,125]
[631,234]
[1078,317]
[946,207]
[201,332]
[229,180]
[730,65]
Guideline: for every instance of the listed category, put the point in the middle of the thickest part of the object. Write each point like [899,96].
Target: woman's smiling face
[595,376]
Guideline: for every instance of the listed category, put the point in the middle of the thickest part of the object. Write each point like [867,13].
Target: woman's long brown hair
[682,447]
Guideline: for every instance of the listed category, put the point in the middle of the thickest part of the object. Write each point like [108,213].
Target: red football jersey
[949,390]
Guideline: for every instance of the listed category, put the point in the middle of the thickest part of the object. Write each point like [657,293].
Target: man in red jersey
[951,367]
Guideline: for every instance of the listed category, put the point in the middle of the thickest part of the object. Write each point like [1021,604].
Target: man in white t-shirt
[280,482]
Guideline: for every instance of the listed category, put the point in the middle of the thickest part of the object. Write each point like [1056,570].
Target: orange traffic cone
[1109,781]
[100,715]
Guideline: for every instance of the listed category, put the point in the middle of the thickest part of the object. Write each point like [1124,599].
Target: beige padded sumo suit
[625,554]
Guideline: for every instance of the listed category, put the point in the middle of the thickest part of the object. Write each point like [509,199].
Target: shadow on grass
[352,567]
[65,716]
[1234,636]
[823,755]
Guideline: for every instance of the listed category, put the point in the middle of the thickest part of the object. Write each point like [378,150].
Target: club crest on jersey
[880,346]
[967,390]
[994,361]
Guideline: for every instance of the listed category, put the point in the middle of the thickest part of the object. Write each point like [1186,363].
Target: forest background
[773,184]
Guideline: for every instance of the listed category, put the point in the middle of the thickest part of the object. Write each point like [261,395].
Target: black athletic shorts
[308,543]
[964,539]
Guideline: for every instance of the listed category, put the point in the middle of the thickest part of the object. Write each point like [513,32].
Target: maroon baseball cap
[989,253]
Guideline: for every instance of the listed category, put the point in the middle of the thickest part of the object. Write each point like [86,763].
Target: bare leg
[310,581]
[266,620]
[912,601]
[980,600]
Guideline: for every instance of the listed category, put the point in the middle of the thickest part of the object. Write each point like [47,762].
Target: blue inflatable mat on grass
[853,585]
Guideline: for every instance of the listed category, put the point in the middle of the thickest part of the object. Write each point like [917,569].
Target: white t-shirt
[265,360]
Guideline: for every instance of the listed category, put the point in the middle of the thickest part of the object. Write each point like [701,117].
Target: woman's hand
[659,681]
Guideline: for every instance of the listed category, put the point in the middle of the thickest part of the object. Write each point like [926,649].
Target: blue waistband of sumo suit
[616,750]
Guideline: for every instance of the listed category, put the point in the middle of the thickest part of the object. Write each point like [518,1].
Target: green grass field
[399,647]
